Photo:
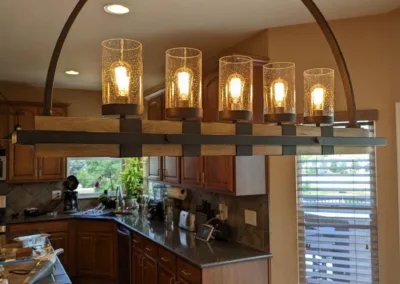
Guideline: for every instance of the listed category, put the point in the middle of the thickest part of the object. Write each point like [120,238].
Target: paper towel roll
[177,193]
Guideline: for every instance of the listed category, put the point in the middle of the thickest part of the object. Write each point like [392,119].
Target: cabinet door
[104,254]
[22,165]
[218,171]
[149,270]
[182,281]
[165,276]
[53,168]
[192,170]
[137,267]
[60,240]
[86,253]
[171,169]
[155,111]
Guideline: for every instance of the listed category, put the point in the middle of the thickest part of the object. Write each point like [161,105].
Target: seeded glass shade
[236,88]
[122,78]
[183,78]
[279,92]
[319,86]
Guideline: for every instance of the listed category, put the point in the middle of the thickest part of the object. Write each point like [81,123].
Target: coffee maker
[70,194]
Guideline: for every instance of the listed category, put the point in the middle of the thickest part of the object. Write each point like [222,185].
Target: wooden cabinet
[165,276]
[149,270]
[137,271]
[22,164]
[96,251]
[171,169]
[61,240]
[191,171]
[161,168]
[182,281]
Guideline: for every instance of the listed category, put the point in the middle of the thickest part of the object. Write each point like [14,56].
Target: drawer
[95,226]
[167,259]
[137,241]
[46,227]
[150,248]
[189,272]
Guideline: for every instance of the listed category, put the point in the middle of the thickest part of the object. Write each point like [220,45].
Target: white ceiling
[29,30]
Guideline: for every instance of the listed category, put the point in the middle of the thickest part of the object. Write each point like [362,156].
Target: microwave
[3,164]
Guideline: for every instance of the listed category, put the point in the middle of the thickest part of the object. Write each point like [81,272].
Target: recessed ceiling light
[116,9]
[72,72]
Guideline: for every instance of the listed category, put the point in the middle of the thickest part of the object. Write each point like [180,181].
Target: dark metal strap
[130,148]
[327,131]
[289,130]
[244,129]
[191,127]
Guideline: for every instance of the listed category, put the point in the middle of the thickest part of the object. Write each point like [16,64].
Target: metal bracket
[191,127]
[130,149]
[327,131]
[244,129]
[289,130]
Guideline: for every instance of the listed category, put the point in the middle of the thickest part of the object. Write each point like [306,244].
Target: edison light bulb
[122,80]
[235,89]
[318,98]
[184,84]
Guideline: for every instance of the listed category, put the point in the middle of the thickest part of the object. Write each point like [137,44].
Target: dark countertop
[183,243]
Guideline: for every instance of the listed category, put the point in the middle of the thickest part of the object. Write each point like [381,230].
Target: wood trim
[342,116]
[38,104]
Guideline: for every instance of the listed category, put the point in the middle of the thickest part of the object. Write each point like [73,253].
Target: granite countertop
[183,243]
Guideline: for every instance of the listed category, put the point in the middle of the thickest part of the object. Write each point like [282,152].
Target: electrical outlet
[250,217]
[56,194]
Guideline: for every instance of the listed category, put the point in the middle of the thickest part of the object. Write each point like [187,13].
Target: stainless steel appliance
[70,194]
[187,221]
[3,164]
[124,256]
[2,214]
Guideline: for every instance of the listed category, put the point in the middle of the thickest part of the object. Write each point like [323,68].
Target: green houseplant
[132,179]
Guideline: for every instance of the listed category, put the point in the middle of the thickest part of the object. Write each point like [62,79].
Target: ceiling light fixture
[116,9]
[72,72]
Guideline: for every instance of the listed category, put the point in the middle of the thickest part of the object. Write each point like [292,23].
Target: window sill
[89,195]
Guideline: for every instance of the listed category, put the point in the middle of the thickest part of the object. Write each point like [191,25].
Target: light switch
[250,217]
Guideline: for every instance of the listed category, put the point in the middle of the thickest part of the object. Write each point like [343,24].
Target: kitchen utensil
[187,221]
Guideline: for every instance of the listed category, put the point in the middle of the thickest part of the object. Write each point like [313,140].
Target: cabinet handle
[184,272]
[135,241]
[149,249]
[164,259]
[202,177]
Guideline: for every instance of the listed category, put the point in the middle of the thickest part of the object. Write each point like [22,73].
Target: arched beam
[311,6]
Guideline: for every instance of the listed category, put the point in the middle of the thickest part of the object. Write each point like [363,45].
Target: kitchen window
[95,174]
[337,219]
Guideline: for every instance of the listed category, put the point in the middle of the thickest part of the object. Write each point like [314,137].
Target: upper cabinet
[238,176]
[22,165]
[161,168]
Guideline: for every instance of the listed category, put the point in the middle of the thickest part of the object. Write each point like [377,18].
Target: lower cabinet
[149,270]
[165,276]
[137,271]
[60,240]
[181,281]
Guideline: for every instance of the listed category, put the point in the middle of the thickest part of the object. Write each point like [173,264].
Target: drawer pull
[184,272]
[135,241]
[149,249]
[164,259]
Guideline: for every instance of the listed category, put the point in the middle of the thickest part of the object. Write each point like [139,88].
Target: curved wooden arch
[311,6]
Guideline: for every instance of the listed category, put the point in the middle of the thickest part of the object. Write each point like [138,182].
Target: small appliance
[3,164]
[187,221]
[31,212]
[70,194]
[155,210]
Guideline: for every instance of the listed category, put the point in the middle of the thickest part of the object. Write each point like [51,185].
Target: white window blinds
[337,225]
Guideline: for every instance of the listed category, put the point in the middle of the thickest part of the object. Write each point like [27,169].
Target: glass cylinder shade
[236,88]
[319,87]
[279,92]
[183,77]
[122,78]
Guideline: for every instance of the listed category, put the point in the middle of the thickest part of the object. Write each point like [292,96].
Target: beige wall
[83,103]
[371,46]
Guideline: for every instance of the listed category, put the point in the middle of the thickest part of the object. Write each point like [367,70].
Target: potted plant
[132,179]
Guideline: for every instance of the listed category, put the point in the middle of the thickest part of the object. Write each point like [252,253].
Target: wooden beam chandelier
[129,136]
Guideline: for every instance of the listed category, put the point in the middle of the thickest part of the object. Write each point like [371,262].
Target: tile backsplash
[24,195]
[254,236]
